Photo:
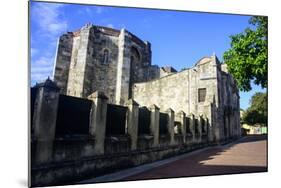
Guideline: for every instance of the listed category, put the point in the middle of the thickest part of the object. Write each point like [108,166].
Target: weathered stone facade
[109,108]
[180,91]
[118,63]
[102,59]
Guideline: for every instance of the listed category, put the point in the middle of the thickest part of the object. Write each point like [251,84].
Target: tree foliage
[247,58]
[257,112]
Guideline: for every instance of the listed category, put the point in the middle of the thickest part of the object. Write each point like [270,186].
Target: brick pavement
[248,155]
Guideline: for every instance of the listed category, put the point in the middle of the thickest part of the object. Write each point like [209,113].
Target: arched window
[105,56]
[135,54]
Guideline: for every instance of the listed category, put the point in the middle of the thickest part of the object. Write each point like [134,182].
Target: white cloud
[46,69]
[88,10]
[43,61]
[50,23]
[42,68]
[110,25]
[99,10]
[91,11]
[48,18]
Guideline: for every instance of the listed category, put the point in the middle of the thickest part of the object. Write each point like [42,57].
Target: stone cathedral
[109,108]
[118,63]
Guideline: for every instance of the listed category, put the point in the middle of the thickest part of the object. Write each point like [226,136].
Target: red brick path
[248,155]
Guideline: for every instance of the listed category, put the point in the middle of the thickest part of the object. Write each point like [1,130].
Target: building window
[135,53]
[105,56]
[201,94]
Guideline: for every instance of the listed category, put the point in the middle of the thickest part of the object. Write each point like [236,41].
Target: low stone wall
[70,172]
[111,143]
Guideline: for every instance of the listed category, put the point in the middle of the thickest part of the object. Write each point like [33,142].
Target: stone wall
[134,64]
[167,92]
[96,58]
[77,84]
[229,107]
[103,69]
[61,158]
[63,59]
[180,91]
[184,110]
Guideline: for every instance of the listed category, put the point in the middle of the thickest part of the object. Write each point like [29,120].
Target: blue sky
[178,39]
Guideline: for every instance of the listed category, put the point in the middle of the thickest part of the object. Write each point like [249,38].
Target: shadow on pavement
[253,138]
[194,165]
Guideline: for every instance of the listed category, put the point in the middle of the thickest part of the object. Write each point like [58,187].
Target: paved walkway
[249,154]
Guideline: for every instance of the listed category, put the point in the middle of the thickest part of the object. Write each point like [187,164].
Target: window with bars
[202,94]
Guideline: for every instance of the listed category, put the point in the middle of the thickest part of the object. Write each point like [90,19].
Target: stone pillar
[123,69]
[234,125]
[218,124]
[231,123]
[200,129]
[76,83]
[209,130]
[44,120]
[171,124]
[132,122]
[227,127]
[192,127]
[206,127]
[98,120]
[210,123]
[182,120]
[154,124]
[202,123]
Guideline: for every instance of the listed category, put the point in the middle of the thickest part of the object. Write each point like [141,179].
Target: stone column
[231,123]
[123,69]
[154,124]
[210,123]
[192,127]
[182,119]
[227,128]
[98,120]
[200,129]
[234,126]
[77,84]
[171,124]
[206,127]
[132,122]
[44,120]
[218,124]
[209,130]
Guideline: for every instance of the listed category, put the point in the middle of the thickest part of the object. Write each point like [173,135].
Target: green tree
[247,58]
[257,112]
